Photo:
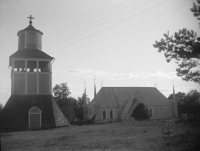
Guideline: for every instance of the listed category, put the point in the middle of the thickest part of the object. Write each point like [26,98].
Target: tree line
[188,104]
[71,107]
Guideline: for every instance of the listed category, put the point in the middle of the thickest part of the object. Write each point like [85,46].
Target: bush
[140,112]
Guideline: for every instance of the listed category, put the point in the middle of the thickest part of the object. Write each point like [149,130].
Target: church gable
[122,100]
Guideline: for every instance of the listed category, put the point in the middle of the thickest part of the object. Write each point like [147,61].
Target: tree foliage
[184,48]
[188,103]
[1,106]
[69,107]
[140,112]
[61,91]
[80,104]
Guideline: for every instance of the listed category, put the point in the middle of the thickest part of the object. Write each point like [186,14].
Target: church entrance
[34,118]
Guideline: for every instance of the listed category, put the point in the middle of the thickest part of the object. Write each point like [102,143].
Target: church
[118,103]
[31,105]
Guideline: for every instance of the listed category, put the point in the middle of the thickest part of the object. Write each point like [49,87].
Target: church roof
[30,28]
[30,53]
[118,96]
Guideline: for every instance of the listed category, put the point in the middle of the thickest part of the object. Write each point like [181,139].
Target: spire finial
[30,22]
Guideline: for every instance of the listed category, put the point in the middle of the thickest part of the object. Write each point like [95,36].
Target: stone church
[117,103]
[31,105]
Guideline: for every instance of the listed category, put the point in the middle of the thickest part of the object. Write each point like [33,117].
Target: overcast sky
[109,39]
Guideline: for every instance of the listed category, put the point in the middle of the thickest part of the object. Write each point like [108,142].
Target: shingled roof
[118,96]
[30,53]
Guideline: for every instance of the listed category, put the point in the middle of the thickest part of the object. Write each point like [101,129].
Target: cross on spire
[30,19]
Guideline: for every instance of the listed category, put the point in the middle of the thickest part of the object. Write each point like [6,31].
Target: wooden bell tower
[31,105]
[31,68]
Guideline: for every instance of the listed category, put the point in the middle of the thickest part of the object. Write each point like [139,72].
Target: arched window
[111,114]
[104,114]
[150,112]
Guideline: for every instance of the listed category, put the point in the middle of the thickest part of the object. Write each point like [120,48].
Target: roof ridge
[127,87]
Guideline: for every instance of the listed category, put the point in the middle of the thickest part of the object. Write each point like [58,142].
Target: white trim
[34,113]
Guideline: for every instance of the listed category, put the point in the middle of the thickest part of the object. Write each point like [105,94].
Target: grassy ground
[128,135]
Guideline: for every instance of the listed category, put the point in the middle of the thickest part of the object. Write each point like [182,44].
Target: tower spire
[84,103]
[175,102]
[85,88]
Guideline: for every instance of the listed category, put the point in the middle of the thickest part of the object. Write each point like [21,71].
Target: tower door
[34,118]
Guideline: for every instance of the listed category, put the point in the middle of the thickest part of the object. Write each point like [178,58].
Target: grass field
[127,135]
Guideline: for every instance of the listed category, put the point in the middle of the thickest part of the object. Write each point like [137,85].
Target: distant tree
[61,91]
[184,48]
[188,104]
[140,112]
[1,106]
[69,107]
[181,102]
[193,103]
[81,100]
[80,104]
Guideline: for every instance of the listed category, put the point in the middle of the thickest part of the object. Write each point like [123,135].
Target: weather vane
[30,19]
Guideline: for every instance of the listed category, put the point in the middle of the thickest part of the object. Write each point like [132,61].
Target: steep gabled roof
[118,96]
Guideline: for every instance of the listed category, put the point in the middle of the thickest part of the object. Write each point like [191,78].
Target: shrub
[140,112]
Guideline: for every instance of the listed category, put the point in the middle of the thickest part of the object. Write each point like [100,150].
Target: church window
[111,114]
[31,66]
[104,114]
[19,65]
[150,112]
[31,38]
[44,66]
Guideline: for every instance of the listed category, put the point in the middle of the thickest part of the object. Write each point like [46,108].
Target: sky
[110,41]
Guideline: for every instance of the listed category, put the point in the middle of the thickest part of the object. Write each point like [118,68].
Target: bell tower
[31,105]
[31,68]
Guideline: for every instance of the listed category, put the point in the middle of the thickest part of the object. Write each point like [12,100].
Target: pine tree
[140,112]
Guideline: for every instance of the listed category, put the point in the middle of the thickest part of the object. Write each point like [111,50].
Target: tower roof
[30,53]
[29,28]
